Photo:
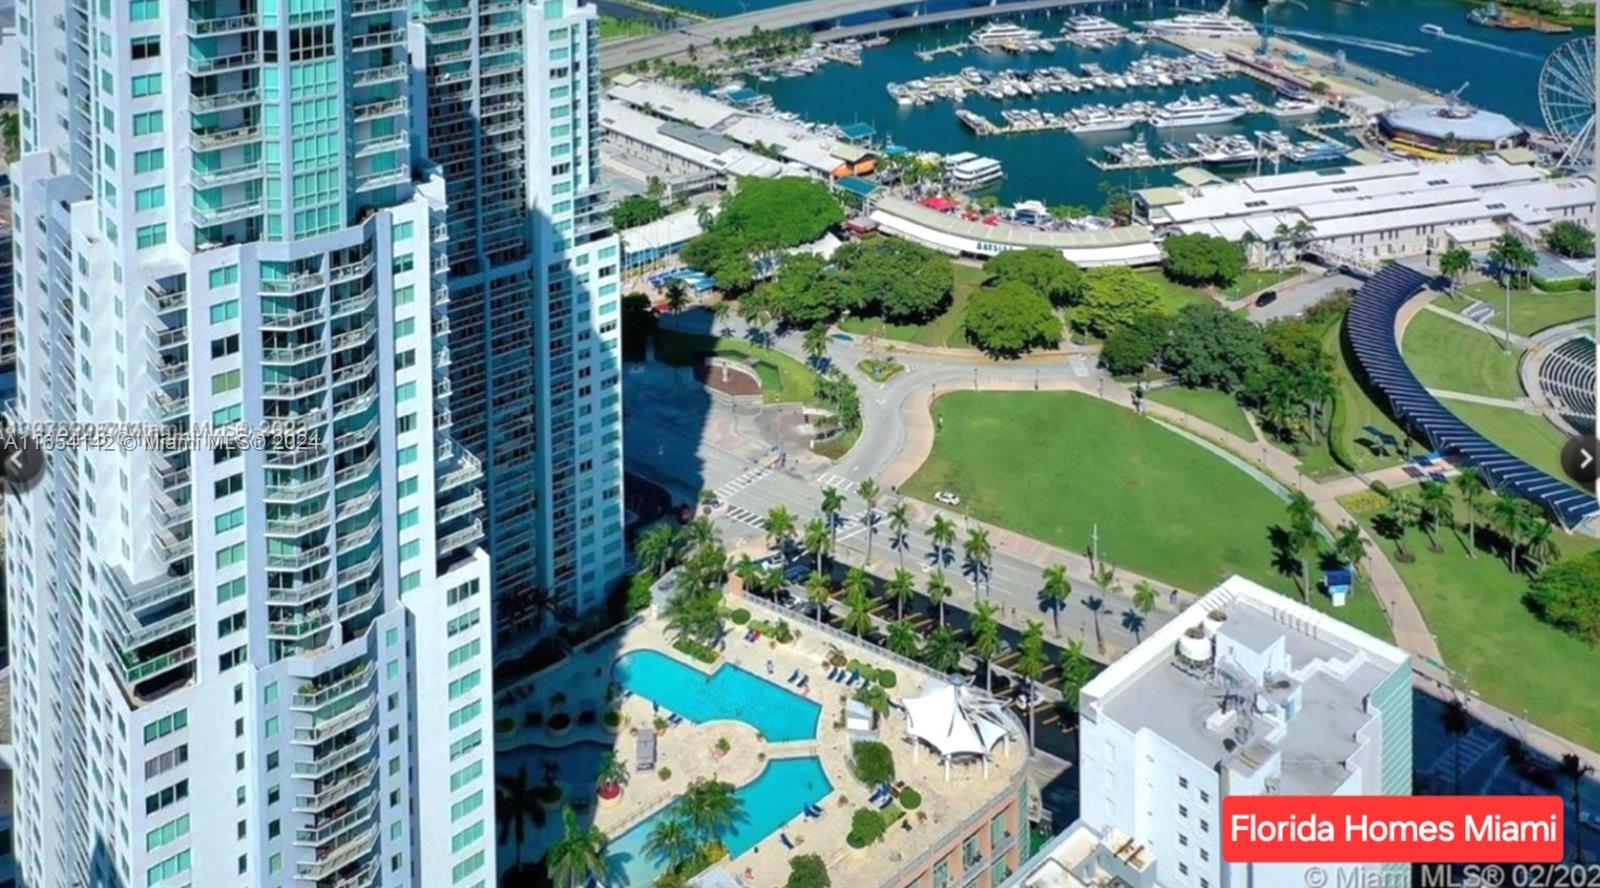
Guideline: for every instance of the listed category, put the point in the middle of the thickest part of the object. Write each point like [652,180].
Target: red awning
[942,204]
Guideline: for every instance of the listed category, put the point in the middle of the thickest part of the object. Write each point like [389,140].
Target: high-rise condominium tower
[511,120]
[242,661]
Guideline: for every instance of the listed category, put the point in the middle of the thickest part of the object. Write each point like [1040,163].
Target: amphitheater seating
[1370,327]
[1567,374]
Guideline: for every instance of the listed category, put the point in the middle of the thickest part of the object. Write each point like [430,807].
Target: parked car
[1266,298]
[948,497]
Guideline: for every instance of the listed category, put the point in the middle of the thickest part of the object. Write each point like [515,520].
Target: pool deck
[689,751]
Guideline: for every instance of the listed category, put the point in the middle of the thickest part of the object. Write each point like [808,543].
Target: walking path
[1499,333]
[1523,404]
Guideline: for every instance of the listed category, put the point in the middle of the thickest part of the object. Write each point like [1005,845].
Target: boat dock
[928,55]
[1143,163]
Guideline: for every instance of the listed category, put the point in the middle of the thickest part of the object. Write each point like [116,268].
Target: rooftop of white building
[1271,681]
[1079,857]
[693,144]
[671,102]
[1444,121]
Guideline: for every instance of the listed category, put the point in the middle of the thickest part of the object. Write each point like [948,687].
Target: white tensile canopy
[955,722]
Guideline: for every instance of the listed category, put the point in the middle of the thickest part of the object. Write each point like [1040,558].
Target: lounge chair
[814,811]
[805,681]
[885,802]
[793,677]
[676,719]
[787,842]
[833,673]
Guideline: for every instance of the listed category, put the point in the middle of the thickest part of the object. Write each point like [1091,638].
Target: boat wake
[1446,35]
[1399,49]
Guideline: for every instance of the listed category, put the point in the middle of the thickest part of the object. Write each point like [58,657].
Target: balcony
[352,540]
[221,101]
[348,852]
[356,472]
[342,823]
[374,181]
[382,108]
[355,404]
[166,372]
[318,697]
[128,633]
[133,670]
[300,593]
[233,175]
[174,544]
[380,39]
[462,538]
[293,388]
[355,302]
[352,270]
[357,746]
[233,212]
[337,791]
[380,74]
[209,27]
[355,437]
[375,7]
[350,508]
[458,9]
[300,627]
[301,282]
[295,354]
[358,605]
[294,319]
[199,67]
[299,490]
[169,406]
[380,144]
[163,300]
[356,372]
[151,593]
[300,560]
[457,508]
[296,525]
[212,140]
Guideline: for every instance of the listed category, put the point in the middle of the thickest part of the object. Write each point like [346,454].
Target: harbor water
[1501,67]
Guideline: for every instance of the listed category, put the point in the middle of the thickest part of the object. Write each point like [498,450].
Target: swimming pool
[782,791]
[728,693]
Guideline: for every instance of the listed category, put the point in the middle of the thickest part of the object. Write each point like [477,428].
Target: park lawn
[1174,296]
[1354,412]
[1531,310]
[615,28]
[1255,280]
[1220,409]
[1165,507]
[783,379]
[1530,437]
[1452,356]
[1474,607]
[941,332]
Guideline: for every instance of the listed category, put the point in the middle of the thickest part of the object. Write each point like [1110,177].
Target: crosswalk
[744,480]
[830,479]
[745,516]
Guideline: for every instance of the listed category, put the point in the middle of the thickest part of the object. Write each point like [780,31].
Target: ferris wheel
[1566,98]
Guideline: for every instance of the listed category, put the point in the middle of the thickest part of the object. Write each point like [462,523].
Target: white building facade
[512,120]
[259,660]
[1245,692]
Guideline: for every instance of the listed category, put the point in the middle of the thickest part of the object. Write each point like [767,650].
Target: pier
[928,55]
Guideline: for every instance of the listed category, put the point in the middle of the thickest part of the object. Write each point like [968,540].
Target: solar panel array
[1567,375]
[1370,326]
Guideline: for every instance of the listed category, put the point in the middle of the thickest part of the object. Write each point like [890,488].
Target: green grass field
[1174,296]
[1474,607]
[1356,410]
[1166,507]
[1528,436]
[1210,405]
[942,331]
[783,379]
[1452,356]
[1258,279]
[615,28]
[1531,310]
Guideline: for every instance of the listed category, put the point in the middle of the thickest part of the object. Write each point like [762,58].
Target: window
[402,231]
[142,10]
[462,623]
[152,235]
[465,745]
[466,775]
[226,381]
[1183,868]
[230,590]
[167,832]
[146,85]
[222,276]
[149,161]
[230,624]
[464,653]
[224,311]
[1183,811]
[147,123]
[168,869]
[467,867]
[145,47]
[466,837]
[466,806]
[1183,783]
[174,793]
[165,725]
[228,555]
[150,198]
[166,761]
[229,520]
[465,683]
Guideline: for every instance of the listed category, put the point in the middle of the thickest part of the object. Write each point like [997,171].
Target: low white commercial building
[1245,692]
[953,234]
[1376,211]
[680,147]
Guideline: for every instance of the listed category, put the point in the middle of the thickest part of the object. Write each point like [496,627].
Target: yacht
[1100,119]
[1432,30]
[1201,24]
[1185,111]
[1227,150]
[977,122]
[1293,108]
[1093,26]
[968,170]
[998,34]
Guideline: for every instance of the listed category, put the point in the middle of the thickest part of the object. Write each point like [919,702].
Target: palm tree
[938,591]
[943,651]
[703,217]
[1076,669]
[750,573]
[1106,579]
[986,641]
[671,842]
[858,616]
[1541,544]
[1057,589]
[516,808]
[978,551]
[1453,263]
[1349,546]
[832,504]
[869,492]
[579,855]
[1510,521]
[875,698]
[780,526]
[1307,546]
[710,807]
[1133,621]
[1469,484]
[815,344]
[656,547]
[942,533]
[1457,724]
[1402,514]
[903,639]
[1510,256]
[899,524]
[818,593]
[1437,506]
[1031,661]
[1574,769]
[677,296]
[817,541]
[902,588]
[611,772]
[1144,597]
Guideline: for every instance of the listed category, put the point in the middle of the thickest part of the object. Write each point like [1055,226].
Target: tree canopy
[900,280]
[1570,239]
[1045,270]
[1567,596]
[1212,347]
[1011,318]
[1201,259]
[805,292]
[724,257]
[775,214]
[1136,346]
[1114,296]
[808,871]
[635,210]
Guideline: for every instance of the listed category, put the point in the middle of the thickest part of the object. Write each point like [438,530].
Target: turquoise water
[728,693]
[771,800]
[1502,67]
